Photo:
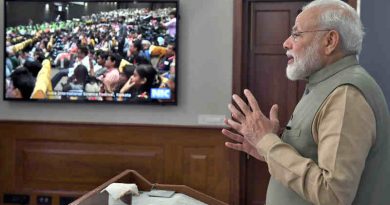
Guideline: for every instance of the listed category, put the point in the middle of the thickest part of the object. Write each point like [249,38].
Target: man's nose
[287,43]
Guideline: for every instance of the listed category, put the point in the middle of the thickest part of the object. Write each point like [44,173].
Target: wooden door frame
[240,63]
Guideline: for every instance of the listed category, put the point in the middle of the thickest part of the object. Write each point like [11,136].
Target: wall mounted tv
[122,51]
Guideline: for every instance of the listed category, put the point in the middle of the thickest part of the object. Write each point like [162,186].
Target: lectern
[94,197]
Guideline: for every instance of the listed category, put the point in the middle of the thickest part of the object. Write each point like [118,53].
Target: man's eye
[295,35]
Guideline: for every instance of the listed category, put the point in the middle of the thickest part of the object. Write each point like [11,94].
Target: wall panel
[69,159]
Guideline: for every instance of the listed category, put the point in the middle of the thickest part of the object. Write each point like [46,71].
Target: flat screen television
[123,51]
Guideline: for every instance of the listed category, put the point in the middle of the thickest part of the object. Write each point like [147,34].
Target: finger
[233,124]
[252,101]
[273,113]
[241,104]
[233,136]
[235,146]
[236,113]
[226,122]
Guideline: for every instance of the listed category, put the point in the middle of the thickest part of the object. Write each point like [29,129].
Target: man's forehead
[304,20]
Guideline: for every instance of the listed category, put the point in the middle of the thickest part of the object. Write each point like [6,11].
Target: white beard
[304,66]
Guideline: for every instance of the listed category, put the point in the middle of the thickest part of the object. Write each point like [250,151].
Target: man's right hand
[241,145]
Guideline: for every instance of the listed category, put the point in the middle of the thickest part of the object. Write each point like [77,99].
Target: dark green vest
[374,187]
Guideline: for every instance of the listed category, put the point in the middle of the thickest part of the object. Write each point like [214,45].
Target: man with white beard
[335,148]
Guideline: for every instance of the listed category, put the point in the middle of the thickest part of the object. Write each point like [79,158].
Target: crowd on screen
[110,56]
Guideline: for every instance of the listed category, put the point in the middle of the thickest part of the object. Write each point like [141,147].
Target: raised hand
[250,124]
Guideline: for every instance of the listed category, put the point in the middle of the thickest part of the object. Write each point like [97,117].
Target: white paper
[117,190]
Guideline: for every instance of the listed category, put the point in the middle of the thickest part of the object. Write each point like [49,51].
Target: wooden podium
[94,197]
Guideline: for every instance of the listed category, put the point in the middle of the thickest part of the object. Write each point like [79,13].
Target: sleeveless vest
[374,185]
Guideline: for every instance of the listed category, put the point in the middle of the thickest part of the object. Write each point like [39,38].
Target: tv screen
[122,51]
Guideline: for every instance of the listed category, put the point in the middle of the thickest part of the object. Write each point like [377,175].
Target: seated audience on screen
[129,34]
[21,84]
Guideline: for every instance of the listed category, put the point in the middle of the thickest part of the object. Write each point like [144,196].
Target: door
[270,24]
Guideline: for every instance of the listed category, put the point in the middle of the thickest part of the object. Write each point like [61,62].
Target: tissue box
[120,193]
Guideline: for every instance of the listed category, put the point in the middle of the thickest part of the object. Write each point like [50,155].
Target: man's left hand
[250,122]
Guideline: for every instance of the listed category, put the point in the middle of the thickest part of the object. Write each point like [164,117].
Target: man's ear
[332,41]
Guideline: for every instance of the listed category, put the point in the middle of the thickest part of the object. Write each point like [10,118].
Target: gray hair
[341,17]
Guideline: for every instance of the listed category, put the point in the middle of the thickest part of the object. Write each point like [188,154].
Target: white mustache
[290,54]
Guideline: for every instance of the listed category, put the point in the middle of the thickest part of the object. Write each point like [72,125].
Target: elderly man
[335,148]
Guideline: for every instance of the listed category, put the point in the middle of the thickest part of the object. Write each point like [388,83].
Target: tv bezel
[55,101]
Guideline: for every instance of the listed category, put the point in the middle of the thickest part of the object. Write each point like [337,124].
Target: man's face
[304,49]
[133,49]
[80,55]
[110,63]
[100,60]
[170,51]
